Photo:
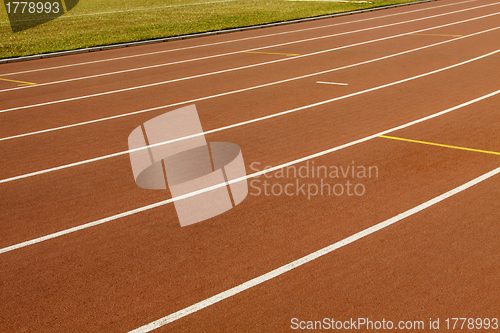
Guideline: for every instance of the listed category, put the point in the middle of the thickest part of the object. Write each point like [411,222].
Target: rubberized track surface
[334,86]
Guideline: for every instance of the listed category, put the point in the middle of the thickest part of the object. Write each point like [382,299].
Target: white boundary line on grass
[228,41]
[239,52]
[244,178]
[6,180]
[315,255]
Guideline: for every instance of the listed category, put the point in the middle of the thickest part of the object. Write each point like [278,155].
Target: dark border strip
[201,34]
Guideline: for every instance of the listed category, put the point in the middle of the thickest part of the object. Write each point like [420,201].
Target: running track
[421,241]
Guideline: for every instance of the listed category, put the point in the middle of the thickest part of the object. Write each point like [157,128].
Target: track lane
[112,267]
[431,265]
[260,146]
[353,121]
[187,68]
[148,50]
[44,117]
[134,270]
[388,54]
[350,280]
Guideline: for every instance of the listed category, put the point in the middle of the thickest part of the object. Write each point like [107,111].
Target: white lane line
[229,41]
[256,174]
[237,68]
[241,90]
[335,83]
[234,53]
[5,180]
[315,255]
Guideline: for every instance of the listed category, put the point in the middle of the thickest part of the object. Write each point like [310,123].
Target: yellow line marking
[440,145]
[287,54]
[439,35]
[22,83]
[63,3]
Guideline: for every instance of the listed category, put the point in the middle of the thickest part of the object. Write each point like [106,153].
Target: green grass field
[102,22]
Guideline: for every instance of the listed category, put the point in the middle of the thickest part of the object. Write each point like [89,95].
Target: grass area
[102,22]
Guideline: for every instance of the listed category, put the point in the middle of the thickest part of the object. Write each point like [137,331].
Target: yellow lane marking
[286,54]
[64,6]
[440,145]
[22,83]
[439,35]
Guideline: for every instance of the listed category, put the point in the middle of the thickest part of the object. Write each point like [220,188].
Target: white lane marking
[5,180]
[335,83]
[229,41]
[234,53]
[310,257]
[231,53]
[241,90]
[235,68]
[256,174]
